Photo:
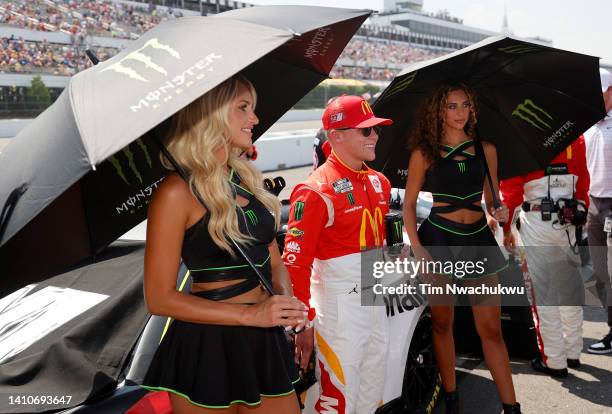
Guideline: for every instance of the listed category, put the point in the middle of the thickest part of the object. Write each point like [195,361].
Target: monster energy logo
[519,49]
[397,229]
[298,210]
[350,198]
[402,84]
[139,56]
[252,217]
[533,114]
[131,163]
[461,166]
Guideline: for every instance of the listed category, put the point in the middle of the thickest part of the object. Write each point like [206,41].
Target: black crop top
[458,182]
[207,262]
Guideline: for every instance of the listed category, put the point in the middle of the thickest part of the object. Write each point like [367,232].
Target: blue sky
[581,26]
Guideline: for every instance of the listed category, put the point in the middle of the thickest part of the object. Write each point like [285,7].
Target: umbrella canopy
[533,101]
[88,164]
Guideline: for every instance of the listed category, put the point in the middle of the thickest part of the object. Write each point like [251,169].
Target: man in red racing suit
[551,260]
[336,214]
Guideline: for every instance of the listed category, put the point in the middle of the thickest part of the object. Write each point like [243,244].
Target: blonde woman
[226,351]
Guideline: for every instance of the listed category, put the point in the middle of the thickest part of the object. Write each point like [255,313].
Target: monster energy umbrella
[82,173]
[533,101]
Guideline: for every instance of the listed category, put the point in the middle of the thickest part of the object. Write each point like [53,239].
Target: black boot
[452,402]
[512,408]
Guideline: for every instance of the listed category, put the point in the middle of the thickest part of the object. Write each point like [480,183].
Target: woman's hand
[492,223]
[278,310]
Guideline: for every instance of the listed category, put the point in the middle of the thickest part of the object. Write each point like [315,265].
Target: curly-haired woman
[448,160]
[226,350]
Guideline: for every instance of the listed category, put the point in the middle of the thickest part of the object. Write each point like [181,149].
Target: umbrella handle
[262,279]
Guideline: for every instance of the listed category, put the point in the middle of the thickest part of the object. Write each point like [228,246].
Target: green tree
[38,93]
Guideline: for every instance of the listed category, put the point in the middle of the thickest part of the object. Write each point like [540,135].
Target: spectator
[599,163]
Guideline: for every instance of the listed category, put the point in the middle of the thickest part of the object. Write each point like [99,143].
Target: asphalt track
[585,391]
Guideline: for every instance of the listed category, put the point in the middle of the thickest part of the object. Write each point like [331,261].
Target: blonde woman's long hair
[197,135]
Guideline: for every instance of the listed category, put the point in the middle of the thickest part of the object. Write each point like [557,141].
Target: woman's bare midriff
[255,295]
[463,216]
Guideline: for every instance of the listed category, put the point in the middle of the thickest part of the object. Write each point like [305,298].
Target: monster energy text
[183,79]
[133,201]
[314,48]
[559,135]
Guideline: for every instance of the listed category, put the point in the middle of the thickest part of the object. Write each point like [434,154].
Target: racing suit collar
[335,160]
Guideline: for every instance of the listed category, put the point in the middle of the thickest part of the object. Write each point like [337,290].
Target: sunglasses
[365,131]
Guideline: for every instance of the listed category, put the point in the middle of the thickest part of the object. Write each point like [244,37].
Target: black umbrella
[534,100]
[83,172]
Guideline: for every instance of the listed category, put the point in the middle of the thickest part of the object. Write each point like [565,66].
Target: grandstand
[49,38]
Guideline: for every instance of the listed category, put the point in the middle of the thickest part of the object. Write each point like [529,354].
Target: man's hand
[304,343]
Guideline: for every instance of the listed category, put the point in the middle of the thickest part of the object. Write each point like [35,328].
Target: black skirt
[449,241]
[216,366]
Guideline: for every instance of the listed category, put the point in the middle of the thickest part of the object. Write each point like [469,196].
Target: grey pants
[599,209]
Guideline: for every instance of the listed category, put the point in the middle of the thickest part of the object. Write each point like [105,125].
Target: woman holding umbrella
[225,351]
[448,161]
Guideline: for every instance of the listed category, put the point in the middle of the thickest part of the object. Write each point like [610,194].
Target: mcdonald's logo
[365,108]
[375,223]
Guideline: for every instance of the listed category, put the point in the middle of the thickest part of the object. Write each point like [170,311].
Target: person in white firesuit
[551,206]
[337,214]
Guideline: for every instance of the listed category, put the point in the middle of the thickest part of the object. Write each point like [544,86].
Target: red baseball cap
[349,111]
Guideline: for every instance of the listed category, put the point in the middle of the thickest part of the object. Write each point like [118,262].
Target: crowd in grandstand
[366,57]
[20,56]
[376,52]
[84,17]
